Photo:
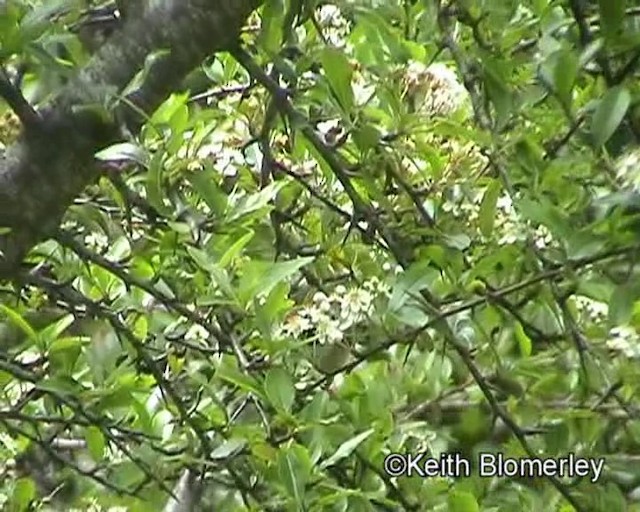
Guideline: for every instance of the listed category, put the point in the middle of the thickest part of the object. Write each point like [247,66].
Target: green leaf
[205,184]
[178,124]
[294,468]
[458,241]
[612,14]
[39,17]
[417,277]
[339,74]
[229,372]
[153,185]
[557,438]
[256,201]
[128,474]
[96,443]
[24,492]
[104,351]
[347,448]
[171,105]
[64,352]
[565,73]
[366,137]
[19,322]
[559,71]
[98,112]
[583,244]
[228,449]
[260,277]
[279,389]
[236,248]
[271,27]
[460,501]
[621,303]
[609,114]
[548,214]
[487,214]
[524,342]
[52,332]
[59,385]
[378,41]
[218,274]
[499,93]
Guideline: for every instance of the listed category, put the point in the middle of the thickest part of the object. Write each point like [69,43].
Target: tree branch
[14,98]
[48,167]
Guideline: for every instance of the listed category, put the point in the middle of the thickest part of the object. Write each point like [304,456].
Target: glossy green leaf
[609,114]
[256,202]
[524,342]
[228,449]
[347,448]
[236,248]
[487,213]
[17,319]
[261,276]
[279,389]
[96,443]
[621,303]
[205,184]
[154,186]
[294,468]
[229,372]
[24,492]
[565,73]
[339,73]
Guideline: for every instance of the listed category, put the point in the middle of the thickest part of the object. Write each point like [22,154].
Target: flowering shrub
[365,231]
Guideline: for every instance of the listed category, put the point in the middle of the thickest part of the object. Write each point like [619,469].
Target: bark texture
[42,173]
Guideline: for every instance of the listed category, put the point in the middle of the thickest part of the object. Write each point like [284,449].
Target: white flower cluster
[435,89]
[508,224]
[330,316]
[624,339]
[462,206]
[514,229]
[222,145]
[97,242]
[628,169]
[335,25]
[595,310]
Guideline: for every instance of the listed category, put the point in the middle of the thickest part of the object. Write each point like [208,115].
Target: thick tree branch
[14,98]
[48,167]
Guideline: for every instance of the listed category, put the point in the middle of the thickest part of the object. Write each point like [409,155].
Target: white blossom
[628,169]
[435,89]
[624,339]
[296,324]
[596,310]
[335,25]
[355,306]
[96,241]
[329,317]
[329,330]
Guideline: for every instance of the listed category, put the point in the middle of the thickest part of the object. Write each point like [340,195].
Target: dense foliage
[374,227]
